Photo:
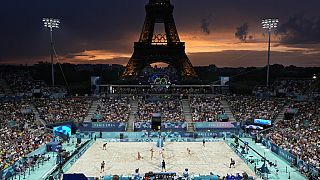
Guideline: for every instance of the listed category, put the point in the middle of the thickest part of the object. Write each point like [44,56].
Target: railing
[10,172]
[291,158]
[55,172]
[266,130]
[234,148]
[75,157]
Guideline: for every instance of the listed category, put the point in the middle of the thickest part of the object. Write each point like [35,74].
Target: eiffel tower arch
[152,48]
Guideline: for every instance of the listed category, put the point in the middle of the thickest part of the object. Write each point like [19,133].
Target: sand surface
[121,158]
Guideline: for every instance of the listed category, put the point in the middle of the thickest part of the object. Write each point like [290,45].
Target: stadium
[142,120]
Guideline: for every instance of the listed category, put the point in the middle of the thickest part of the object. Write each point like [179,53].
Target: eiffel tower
[153,48]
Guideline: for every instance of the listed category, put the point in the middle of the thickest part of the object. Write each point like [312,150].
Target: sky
[226,33]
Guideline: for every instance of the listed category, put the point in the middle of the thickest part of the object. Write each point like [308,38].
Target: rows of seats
[19,134]
[63,109]
[286,88]
[206,108]
[300,135]
[161,90]
[293,87]
[169,106]
[22,83]
[113,109]
[249,107]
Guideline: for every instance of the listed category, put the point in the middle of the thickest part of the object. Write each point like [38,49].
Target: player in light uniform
[139,156]
[161,153]
[152,151]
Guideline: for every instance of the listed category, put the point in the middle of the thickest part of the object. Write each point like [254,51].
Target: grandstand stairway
[227,110]
[92,110]
[186,109]
[37,116]
[134,110]
[280,116]
[5,86]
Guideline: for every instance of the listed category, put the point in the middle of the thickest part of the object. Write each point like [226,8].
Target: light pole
[51,23]
[269,24]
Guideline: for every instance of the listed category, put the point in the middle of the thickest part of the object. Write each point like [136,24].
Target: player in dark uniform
[104,146]
[189,151]
[163,166]
[204,143]
[232,162]
[102,166]
[152,151]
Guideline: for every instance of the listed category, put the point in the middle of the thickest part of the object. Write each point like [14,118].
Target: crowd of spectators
[162,90]
[286,88]
[249,108]
[169,106]
[300,134]
[293,87]
[206,108]
[28,162]
[22,83]
[113,109]
[63,109]
[19,134]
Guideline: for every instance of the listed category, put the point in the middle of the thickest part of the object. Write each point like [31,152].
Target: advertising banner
[274,148]
[167,126]
[216,134]
[103,126]
[306,168]
[290,158]
[216,125]
[287,156]
[262,122]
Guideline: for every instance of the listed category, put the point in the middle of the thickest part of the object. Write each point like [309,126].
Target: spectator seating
[113,109]
[206,108]
[63,109]
[169,106]
[249,108]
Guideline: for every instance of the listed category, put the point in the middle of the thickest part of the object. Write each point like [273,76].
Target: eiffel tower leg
[131,70]
[134,67]
[171,30]
[147,30]
[187,69]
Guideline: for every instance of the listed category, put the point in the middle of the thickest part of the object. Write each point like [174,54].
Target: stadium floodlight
[314,77]
[51,23]
[269,24]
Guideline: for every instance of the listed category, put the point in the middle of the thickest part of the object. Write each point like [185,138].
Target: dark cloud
[120,60]
[84,26]
[300,30]
[205,25]
[247,58]
[242,32]
[114,25]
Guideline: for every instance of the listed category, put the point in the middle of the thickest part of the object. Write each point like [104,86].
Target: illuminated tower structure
[153,48]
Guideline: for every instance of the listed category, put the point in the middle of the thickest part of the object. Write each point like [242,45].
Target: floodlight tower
[269,24]
[51,23]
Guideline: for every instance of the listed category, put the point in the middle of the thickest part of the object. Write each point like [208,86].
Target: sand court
[122,158]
